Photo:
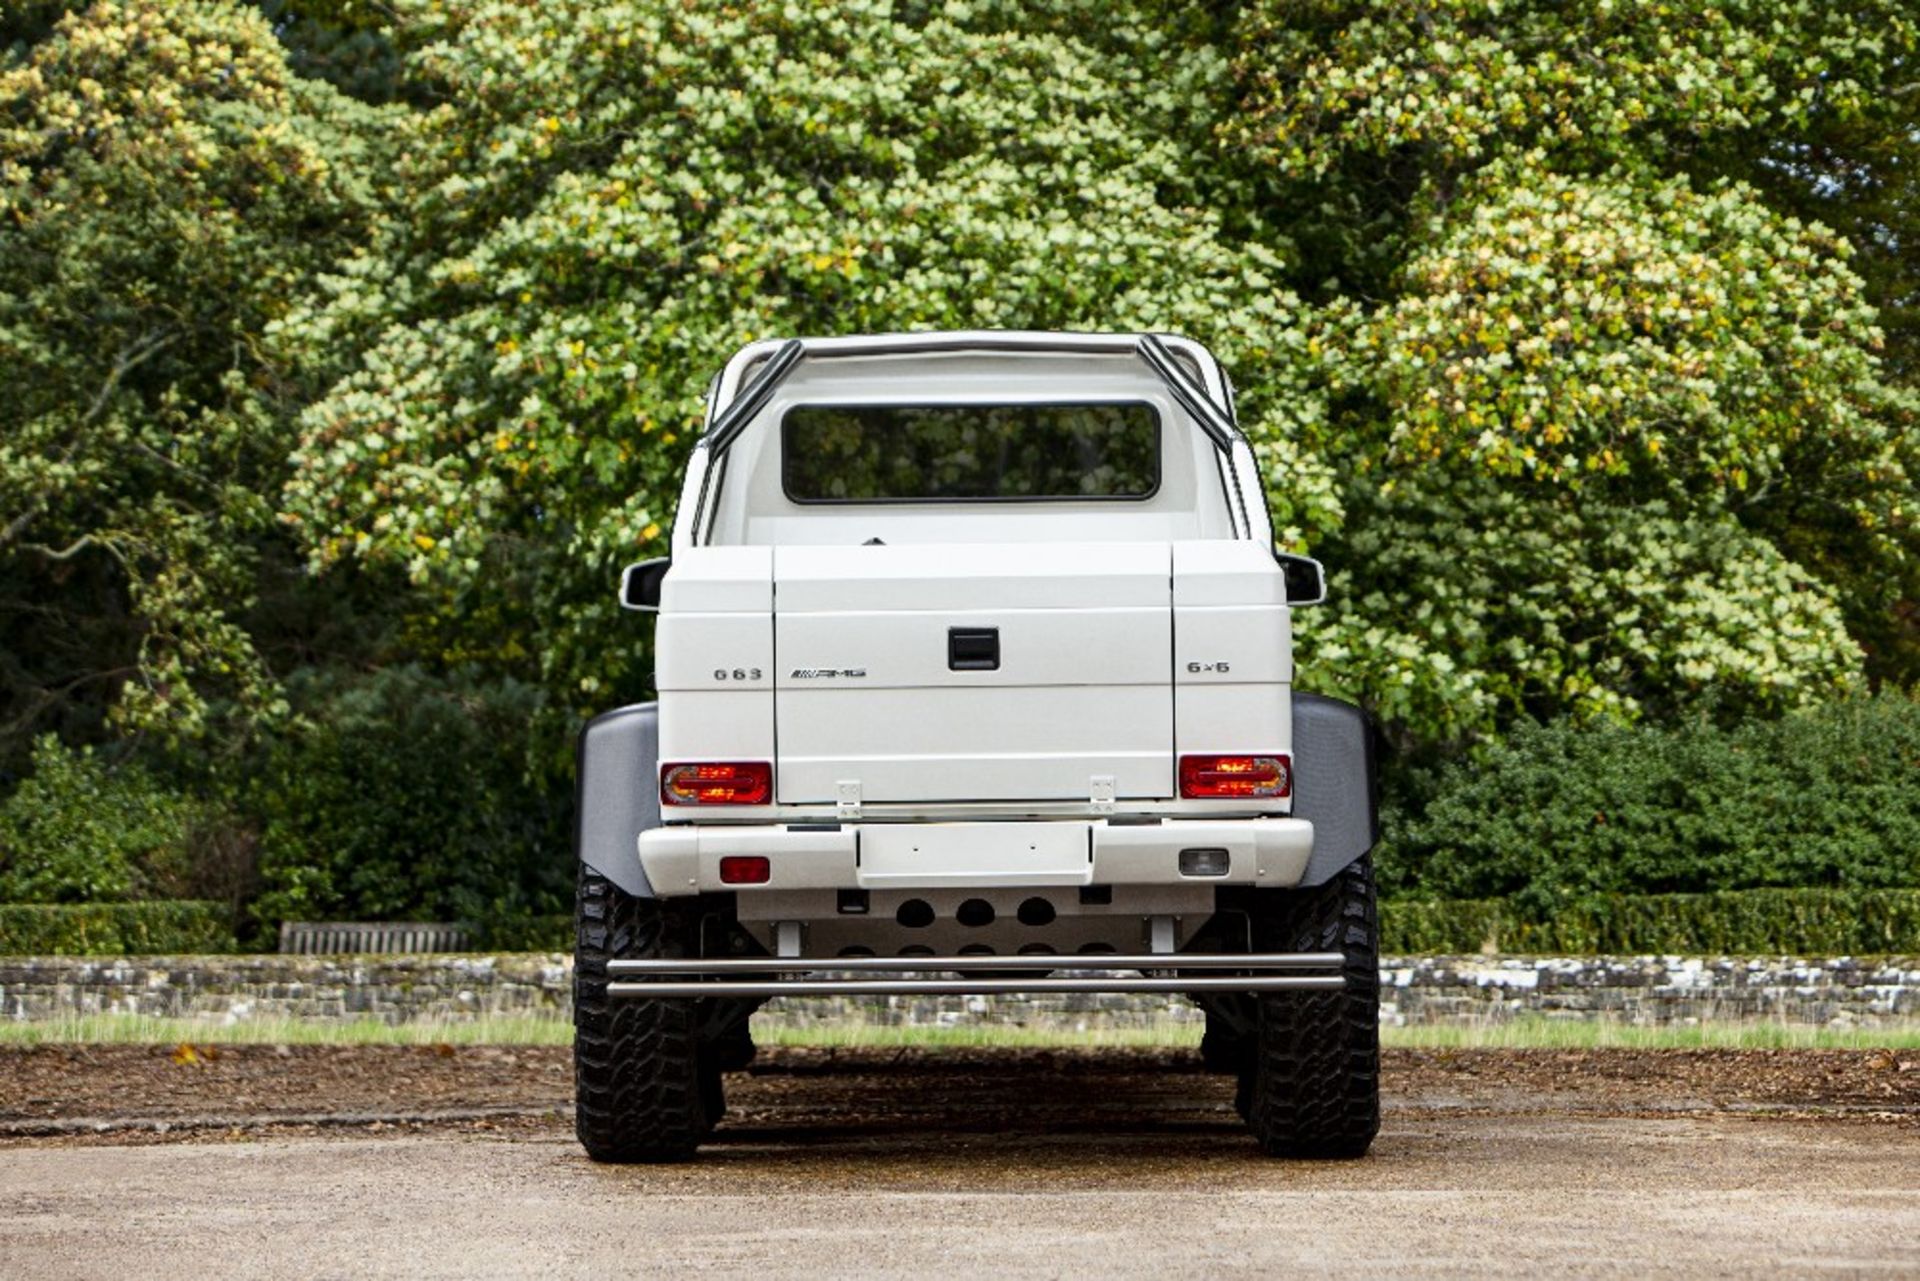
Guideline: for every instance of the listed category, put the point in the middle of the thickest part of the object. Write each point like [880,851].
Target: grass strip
[1523,1033]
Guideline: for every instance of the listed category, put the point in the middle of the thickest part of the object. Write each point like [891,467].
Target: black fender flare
[1335,783]
[617,793]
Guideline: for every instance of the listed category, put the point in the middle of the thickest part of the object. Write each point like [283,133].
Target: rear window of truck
[969,453]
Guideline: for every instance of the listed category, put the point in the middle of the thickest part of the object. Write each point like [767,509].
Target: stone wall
[394,989]
[1651,990]
[1417,990]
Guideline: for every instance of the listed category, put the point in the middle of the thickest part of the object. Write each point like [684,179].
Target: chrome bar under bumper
[1171,972]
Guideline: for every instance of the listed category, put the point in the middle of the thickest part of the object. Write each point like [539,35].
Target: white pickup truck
[975,669]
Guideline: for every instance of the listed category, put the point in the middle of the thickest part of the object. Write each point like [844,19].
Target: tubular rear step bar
[1254,972]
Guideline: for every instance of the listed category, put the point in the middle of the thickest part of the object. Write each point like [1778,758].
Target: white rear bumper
[685,859]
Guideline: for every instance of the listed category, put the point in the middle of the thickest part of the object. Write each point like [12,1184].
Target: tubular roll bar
[734,418]
[1152,349]
[1192,397]
[760,976]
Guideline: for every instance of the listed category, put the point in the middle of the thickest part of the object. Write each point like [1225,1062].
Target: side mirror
[1306,581]
[640,584]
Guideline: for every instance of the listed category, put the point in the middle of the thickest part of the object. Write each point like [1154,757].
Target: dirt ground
[403,1161]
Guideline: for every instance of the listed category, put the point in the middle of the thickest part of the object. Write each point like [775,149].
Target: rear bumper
[685,859]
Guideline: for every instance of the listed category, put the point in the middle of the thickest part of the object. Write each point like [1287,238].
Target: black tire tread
[639,1092]
[1312,1090]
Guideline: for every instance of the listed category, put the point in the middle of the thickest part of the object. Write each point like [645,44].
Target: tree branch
[131,357]
[74,548]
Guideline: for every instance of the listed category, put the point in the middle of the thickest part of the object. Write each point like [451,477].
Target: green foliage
[344,336]
[402,796]
[1585,445]
[1558,328]
[1463,80]
[341,42]
[24,21]
[1556,245]
[612,197]
[181,927]
[1463,606]
[1559,816]
[167,188]
[1737,923]
[82,831]
[517,358]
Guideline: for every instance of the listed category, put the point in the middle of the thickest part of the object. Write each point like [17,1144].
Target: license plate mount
[988,855]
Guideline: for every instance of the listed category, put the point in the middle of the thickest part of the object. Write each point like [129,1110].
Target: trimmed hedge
[179,927]
[1554,816]
[1740,922]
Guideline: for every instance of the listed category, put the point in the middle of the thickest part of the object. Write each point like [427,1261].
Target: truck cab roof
[971,436]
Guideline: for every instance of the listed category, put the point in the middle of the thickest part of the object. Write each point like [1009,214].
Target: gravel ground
[400,1161]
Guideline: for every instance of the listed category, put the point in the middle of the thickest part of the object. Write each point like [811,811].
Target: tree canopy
[167,188]
[611,198]
[1581,340]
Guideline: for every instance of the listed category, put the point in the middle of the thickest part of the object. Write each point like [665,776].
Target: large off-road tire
[640,1091]
[1312,1087]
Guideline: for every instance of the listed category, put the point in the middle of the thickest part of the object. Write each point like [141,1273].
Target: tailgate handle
[973,649]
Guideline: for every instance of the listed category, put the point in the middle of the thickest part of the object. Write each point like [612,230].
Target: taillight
[719,783]
[1235,777]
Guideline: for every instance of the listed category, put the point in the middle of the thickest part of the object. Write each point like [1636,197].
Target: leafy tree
[343,42]
[1550,260]
[1586,329]
[1452,84]
[1466,605]
[1580,339]
[167,189]
[24,21]
[611,198]
[1582,440]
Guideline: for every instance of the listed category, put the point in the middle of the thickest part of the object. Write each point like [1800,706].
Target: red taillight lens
[745,869]
[1235,777]
[722,783]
